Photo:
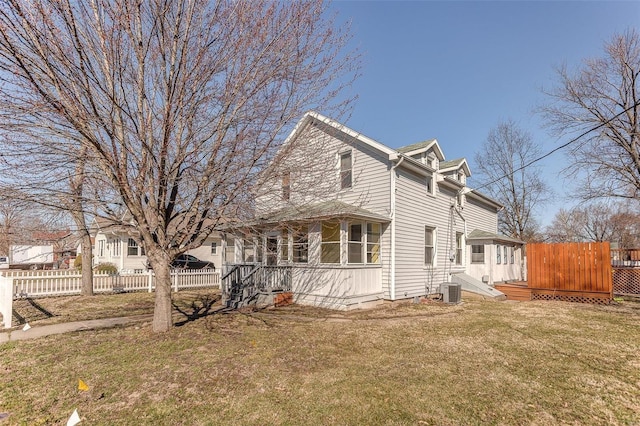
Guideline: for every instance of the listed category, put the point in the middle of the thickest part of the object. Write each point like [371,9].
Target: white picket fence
[20,284]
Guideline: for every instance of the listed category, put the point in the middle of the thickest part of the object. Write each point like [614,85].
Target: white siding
[415,209]
[315,174]
[337,287]
[480,216]
[315,177]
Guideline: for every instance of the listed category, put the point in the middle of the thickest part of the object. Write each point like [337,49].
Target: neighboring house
[46,249]
[388,224]
[114,244]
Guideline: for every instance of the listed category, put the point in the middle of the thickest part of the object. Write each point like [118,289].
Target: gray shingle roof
[477,234]
[451,163]
[415,146]
[323,209]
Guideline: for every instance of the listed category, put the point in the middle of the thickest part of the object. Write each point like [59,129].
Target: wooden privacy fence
[579,272]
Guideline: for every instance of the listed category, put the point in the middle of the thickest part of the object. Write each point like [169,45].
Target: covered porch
[329,254]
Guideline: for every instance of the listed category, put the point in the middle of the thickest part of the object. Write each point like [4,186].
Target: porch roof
[477,234]
[322,210]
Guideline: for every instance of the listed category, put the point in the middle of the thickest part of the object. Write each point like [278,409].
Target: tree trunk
[162,314]
[87,264]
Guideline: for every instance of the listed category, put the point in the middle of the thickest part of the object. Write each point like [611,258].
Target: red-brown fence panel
[570,271]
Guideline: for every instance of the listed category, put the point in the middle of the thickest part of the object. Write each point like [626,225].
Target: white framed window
[301,245]
[504,255]
[116,248]
[430,161]
[513,254]
[429,245]
[373,242]
[346,170]
[477,253]
[214,247]
[284,246]
[498,254]
[229,248]
[133,249]
[355,243]
[330,246]
[101,244]
[459,245]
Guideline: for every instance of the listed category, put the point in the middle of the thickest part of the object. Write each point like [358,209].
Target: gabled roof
[420,147]
[446,166]
[325,209]
[310,116]
[477,234]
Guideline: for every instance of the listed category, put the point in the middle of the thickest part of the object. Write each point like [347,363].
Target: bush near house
[77,263]
[109,268]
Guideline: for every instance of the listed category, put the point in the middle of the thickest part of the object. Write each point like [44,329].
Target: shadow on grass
[41,312]
[201,307]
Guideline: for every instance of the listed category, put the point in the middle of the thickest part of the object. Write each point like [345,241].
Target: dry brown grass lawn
[540,363]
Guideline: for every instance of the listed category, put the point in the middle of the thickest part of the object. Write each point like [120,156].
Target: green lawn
[541,363]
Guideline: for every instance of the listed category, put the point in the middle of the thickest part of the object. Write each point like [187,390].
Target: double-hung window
[330,249]
[284,246]
[504,255]
[429,245]
[133,249]
[477,253]
[346,170]
[356,243]
[373,243]
[513,255]
[459,243]
[301,244]
[230,249]
[498,254]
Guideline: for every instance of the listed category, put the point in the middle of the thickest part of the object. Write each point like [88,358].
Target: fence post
[175,276]
[6,300]
[150,272]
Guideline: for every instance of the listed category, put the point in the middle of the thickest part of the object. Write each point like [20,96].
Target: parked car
[187,261]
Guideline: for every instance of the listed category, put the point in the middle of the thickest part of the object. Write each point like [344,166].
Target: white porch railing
[18,284]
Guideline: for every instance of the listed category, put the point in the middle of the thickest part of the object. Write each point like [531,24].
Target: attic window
[345,170]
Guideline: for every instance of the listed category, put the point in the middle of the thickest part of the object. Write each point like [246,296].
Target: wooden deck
[515,291]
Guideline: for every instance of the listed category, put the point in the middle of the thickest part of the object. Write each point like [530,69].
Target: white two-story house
[361,222]
[116,245]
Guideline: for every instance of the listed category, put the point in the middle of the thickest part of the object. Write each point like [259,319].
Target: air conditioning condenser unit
[451,293]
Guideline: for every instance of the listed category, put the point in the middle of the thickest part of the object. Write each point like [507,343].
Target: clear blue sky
[452,70]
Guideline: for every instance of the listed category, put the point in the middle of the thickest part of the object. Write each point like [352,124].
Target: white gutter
[392,281]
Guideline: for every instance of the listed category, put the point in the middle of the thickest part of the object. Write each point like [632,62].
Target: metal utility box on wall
[451,293]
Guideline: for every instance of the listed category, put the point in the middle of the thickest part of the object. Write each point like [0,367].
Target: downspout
[392,281]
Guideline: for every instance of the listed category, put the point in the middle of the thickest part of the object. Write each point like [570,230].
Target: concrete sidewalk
[48,330]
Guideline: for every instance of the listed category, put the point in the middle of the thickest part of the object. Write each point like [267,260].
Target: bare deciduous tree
[179,105]
[598,222]
[520,189]
[602,101]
